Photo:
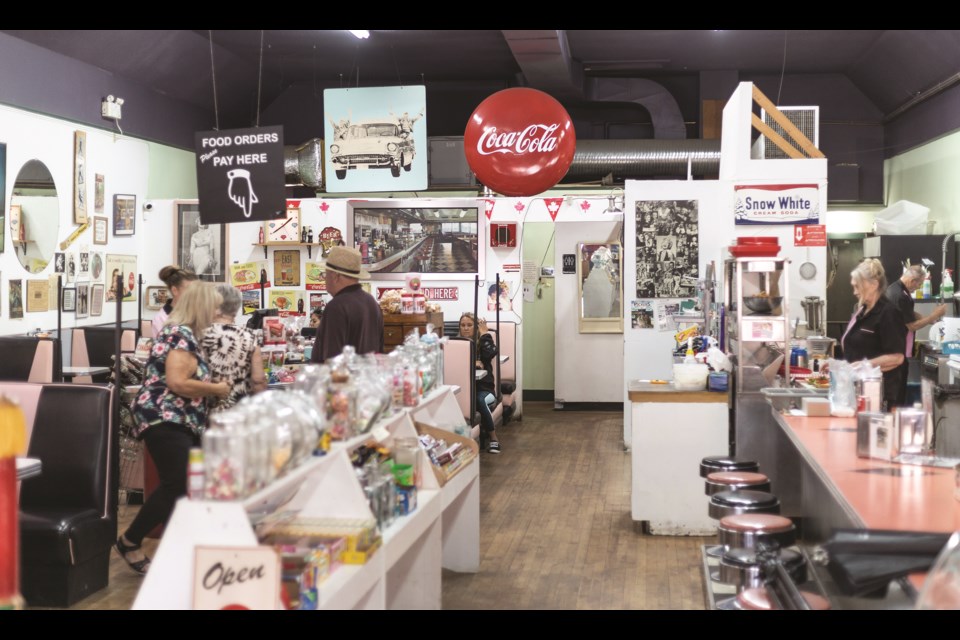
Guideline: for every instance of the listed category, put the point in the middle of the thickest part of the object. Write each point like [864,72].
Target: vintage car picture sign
[376,139]
[240,175]
[519,142]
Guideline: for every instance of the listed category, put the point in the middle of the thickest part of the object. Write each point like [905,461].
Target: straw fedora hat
[346,261]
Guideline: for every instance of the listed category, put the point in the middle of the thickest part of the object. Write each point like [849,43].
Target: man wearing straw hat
[353,317]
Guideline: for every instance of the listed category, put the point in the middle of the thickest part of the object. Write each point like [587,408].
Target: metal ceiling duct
[303,164]
[628,159]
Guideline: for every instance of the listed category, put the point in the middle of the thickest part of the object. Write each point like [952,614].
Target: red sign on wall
[810,235]
[519,142]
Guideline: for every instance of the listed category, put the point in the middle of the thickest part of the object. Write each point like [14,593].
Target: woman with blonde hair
[486,397]
[177,281]
[876,331]
[170,411]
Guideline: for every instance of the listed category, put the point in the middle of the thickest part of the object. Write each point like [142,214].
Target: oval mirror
[34,216]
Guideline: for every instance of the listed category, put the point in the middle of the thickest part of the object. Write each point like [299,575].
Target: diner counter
[876,494]
[854,492]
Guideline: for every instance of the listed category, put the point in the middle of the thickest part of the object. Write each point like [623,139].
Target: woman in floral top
[171,411]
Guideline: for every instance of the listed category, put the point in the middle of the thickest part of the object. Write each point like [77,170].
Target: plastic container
[690,377]
[946,288]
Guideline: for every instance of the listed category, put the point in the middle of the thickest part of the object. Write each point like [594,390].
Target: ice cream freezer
[673,430]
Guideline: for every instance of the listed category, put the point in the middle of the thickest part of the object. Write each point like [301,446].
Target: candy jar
[341,404]
[224,457]
[312,380]
[309,422]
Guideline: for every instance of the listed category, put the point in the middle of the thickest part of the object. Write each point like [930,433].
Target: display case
[757,323]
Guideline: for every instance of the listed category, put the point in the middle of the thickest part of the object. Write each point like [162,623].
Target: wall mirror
[34,216]
[599,281]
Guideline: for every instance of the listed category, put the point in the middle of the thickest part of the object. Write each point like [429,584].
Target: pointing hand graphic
[241,191]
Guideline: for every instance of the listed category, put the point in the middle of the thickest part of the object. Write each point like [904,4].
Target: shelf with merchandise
[442,532]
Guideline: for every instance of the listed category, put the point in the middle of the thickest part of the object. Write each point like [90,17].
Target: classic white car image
[372,144]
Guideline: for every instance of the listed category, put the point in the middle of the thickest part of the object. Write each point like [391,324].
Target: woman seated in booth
[486,352]
[876,331]
[232,351]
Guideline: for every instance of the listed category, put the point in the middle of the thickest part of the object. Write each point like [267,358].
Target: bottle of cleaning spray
[946,288]
[927,286]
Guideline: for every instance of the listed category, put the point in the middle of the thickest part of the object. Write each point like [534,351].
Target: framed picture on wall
[286,268]
[125,266]
[98,191]
[156,297]
[69,301]
[99,230]
[79,177]
[96,300]
[124,214]
[200,248]
[83,299]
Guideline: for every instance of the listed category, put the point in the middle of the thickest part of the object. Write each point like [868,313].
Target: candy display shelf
[442,532]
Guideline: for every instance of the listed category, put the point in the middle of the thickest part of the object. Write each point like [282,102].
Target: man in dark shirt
[900,293]
[353,317]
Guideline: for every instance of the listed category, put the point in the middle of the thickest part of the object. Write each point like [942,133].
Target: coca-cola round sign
[519,142]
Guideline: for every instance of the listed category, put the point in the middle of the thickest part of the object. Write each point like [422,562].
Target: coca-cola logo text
[525,141]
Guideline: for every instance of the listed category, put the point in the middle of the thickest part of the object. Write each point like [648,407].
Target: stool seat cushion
[737,477]
[757,522]
[745,498]
[757,598]
[728,462]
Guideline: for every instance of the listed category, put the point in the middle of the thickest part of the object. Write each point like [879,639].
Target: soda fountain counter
[838,489]
[673,430]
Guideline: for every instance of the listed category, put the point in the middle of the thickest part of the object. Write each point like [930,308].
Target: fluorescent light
[363,34]
[463,212]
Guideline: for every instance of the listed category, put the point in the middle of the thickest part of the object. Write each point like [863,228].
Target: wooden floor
[556,531]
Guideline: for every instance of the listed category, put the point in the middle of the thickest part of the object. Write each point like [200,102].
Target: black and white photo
[201,248]
[668,254]
[83,299]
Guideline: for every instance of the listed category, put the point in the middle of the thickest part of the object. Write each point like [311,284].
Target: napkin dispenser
[877,435]
[914,428]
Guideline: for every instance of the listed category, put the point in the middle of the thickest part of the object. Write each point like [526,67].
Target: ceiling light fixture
[363,34]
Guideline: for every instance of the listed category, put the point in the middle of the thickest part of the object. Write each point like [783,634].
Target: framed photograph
[286,268]
[83,299]
[79,177]
[83,268]
[125,266]
[69,302]
[200,248]
[38,292]
[98,191]
[59,262]
[96,266]
[284,230]
[96,300]
[99,230]
[71,268]
[16,299]
[438,239]
[124,215]
[156,297]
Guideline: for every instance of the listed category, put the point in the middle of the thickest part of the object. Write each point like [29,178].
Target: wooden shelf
[308,245]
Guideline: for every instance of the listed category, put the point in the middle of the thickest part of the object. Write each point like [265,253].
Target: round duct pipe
[626,159]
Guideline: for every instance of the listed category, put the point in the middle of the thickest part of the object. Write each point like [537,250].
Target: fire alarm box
[503,234]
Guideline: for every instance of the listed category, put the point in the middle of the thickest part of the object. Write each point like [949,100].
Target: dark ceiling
[888,67]
[878,91]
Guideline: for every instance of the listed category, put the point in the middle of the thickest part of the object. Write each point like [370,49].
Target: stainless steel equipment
[815,311]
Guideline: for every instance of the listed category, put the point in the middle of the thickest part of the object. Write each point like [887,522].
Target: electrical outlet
[110,110]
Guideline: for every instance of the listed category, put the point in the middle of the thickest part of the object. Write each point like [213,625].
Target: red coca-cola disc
[519,142]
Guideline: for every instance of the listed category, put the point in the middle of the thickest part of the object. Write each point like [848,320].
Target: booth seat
[146,329]
[458,368]
[29,359]
[68,513]
[506,338]
[94,346]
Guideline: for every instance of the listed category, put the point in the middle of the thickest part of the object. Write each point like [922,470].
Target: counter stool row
[748,516]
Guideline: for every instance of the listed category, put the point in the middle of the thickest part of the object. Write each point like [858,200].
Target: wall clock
[286,229]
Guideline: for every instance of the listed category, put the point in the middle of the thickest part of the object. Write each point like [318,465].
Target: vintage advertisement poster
[287,301]
[37,295]
[125,266]
[248,275]
[376,139]
[251,301]
[316,277]
[668,250]
[286,268]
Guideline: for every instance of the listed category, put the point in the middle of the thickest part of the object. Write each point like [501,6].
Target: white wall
[588,366]
[124,163]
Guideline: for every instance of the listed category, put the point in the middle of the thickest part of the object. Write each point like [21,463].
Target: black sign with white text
[569,263]
[240,175]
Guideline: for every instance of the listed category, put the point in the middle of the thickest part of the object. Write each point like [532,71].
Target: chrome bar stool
[749,530]
[734,480]
[710,464]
